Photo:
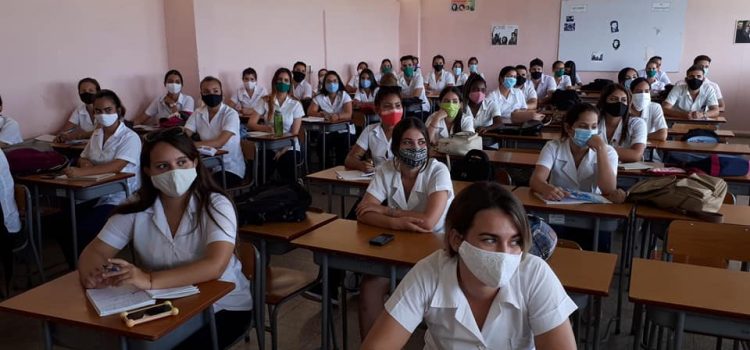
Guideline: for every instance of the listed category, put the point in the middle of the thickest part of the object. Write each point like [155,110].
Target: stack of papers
[207,151]
[313,119]
[635,166]
[173,293]
[578,197]
[353,175]
[97,177]
[46,138]
[113,300]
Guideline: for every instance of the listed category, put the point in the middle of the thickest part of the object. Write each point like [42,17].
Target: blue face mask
[509,82]
[365,83]
[628,82]
[473,68]
[457,70]
[332,87]
[705,71]
[581,137]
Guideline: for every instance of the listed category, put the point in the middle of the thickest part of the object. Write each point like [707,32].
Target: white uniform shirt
[461,79]
[226,119]
[303,90]
[362,96]
[242,98]
[124,144]
[528,90]
[680,98]
[467,124]
[290,110]
[7,197]
[636,133]
[556,157]
[10,131]
[715,86]
[446,78]
[407,89]
[515,101]
[386,184]
[158,108]
[337,106]
[373,139]
[158,250]
[546,84]
[488,110]
[354,81]
[564,83]
[533,303]
[653,116]
[81,117]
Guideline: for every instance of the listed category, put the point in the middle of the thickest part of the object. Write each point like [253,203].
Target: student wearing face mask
[439,77]
[449,119]
[572,72]
[248,95]
[511,101]
[561,80]
[353,84]
[627,135]
[705,62]
[10,132]
[386,67]
[368,88]
[321,80]
[485,112]
[626,76]
[280,99]
[692,99]
[174,103]
[473,63]
[112,148]
[650,73]
[335,105]
[650,112]
[459,75]
[416,190]
[544,84]
[372,147]
[183,230]
[301,89]
[524,83]
[484,289]
[660,75]
[412,83]
[218,126]
[81,122]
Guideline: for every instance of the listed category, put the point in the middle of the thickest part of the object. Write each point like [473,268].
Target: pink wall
[461,35]
[48,45]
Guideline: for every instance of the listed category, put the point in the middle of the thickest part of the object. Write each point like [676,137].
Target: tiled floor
[299,320]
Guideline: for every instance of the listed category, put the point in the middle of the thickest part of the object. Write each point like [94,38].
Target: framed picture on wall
[504,35]
[742,35]
[462,5]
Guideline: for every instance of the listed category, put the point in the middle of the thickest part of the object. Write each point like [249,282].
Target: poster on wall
[504,35]
[462,5]
[743,32]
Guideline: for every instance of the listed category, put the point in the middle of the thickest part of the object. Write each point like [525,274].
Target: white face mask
[641,101]
[175,183]
[494,269]
[250,85]
[106,119]
[174,88]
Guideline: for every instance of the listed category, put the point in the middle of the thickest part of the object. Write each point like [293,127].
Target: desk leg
[223,173]
[47,335]
[209,314]
[73,224]
[307,149]
[392,279]
[343,205]
[38,227]
[325,303]
[595,247]
[264,162]
[323,161]
[624,253]
[597,321]
[294,160]
[330,198]
[261,295]
[123,343]
[636,327]
[678,330]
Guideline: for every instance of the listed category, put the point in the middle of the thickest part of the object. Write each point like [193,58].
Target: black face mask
[536,75]
[520,81]
[298,77]
[615,109]
[694,84]
[87,97]
[438,67]
[211,100]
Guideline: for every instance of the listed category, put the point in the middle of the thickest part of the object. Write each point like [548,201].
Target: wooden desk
[324,127]
[733,214]
[694,147]
[505,158]
[344,245]
[217,160]
[63,301]
[695,293]
[75,190]
[266,142]
[511,141]
[710,121]
[680,131]
[76,145]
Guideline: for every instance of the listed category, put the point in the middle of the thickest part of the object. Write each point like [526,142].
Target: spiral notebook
[113,300]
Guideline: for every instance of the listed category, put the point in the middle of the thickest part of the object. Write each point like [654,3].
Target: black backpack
[564,99]
[475,166]
[528,128]
[273,203]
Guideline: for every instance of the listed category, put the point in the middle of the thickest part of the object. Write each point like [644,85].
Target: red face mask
[391,118]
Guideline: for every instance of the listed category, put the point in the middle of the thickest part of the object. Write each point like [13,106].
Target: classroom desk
[63,301]
[75,145]
[504,158]
[593,280]
[738,185]
[511,141]
[344,245]
[710,121]
[325,127]
[695,147]
[82,190]
[733,214]
[265,142]
[274,238]
[679,131]
[705,299]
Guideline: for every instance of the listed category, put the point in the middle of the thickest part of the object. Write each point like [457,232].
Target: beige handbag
[460,143]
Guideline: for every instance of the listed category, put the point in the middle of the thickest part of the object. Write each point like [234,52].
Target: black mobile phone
[381,239]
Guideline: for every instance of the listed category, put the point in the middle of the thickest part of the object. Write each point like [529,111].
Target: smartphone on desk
[381,239]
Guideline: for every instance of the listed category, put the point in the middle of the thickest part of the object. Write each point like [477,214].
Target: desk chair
[699,243]
[25,210]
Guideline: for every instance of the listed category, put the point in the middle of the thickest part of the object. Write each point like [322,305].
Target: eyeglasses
[164,134]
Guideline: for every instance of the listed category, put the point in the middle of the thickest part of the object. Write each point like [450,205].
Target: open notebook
[353,175]
[113,300]
[97,177]
[577,197]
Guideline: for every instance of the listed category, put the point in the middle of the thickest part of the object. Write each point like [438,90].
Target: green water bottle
[278,123]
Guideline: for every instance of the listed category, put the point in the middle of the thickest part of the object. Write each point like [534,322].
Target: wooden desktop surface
[694,288]
[514,158]
[531,201]
[582,271]
[733,214]
[682,146]
[63,300]
[716,120]
[288,231]
[270,137]
[46,180]
[329,176]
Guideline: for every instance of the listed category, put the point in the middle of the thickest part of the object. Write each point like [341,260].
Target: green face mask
[283,87]
[450,108]
[560,72]
[409,71]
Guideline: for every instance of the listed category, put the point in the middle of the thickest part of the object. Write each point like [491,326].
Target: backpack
[696,195]
[475,166]
[543,237]
[597,85]
[564,99]
[528,128]
[700,136]
[28,161]
[721,165]
[273,203]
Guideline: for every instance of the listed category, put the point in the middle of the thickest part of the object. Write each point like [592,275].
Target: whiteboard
[645,28]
